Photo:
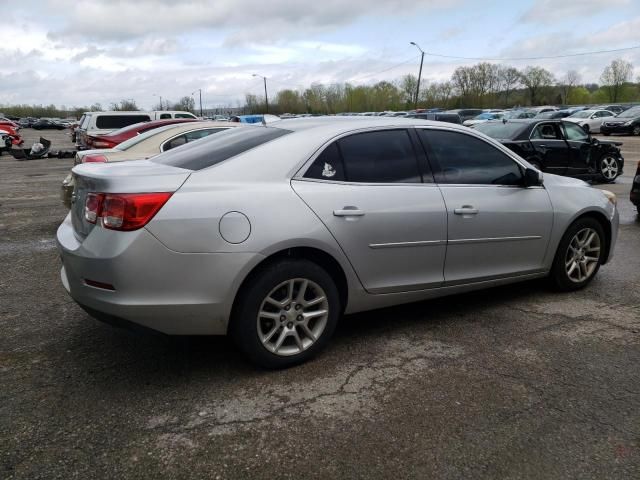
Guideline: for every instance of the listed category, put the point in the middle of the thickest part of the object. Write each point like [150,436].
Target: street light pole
[200,91]
[266,97]
[161,105]
[419,73]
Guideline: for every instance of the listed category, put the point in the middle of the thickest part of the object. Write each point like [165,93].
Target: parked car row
[270,232]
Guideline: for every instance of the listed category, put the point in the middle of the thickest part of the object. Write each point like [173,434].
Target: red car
[114,138]
[12,132]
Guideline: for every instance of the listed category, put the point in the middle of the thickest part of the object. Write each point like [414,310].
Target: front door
[579,147]
[548,142]
[496,227]
[367,189]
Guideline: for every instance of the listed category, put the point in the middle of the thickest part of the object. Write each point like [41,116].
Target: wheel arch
[313,254]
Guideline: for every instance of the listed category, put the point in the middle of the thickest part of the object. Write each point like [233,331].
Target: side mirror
[593,140]
[532,178]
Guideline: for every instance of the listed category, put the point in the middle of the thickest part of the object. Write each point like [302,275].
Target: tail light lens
[124,211]
[102,144]
[92,207]
[94,159]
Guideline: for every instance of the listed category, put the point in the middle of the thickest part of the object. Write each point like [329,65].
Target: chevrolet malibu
[271,233]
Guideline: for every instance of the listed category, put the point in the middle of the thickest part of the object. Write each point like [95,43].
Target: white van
[101,123]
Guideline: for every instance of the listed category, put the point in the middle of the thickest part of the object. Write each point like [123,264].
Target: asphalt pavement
[512,382]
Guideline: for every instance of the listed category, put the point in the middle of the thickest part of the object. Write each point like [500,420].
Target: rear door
[367,189]
[548,142]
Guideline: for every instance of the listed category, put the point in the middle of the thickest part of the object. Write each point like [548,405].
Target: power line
[360,77]
[581,54]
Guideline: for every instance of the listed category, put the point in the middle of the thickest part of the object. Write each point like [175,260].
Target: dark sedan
[627,122]
[559,147]
[47,124]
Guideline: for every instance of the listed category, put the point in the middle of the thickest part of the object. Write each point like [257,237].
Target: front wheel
[579,255]
[608,168]
[285,314]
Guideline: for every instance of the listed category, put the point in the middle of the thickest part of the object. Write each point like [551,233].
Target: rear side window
[385,156]
[220,147]
[328,165]
[189,137]
[164,116]
[184,115]
[119,121]
[464,159]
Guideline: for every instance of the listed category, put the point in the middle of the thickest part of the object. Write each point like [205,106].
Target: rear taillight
[102,144]
[94,159]
[124,211]
[92,207]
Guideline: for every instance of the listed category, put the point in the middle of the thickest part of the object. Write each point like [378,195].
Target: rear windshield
[127,144]
[119,121]
[501,130]
[219,147]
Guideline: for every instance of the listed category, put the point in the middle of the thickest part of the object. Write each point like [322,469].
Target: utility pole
[200,91]
[266,97]
[419,73]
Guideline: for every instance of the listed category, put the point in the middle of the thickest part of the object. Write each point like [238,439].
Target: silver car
[271,233]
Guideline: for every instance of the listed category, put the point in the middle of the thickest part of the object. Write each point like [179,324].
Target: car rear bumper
[143,282]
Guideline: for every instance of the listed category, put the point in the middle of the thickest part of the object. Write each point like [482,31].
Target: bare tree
[407,86]
[510,79]
[536,79]
[615,76]
[125,105]
[461,80]
[569,81]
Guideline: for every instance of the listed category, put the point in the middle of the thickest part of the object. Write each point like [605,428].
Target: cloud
[560,11]
[249,20]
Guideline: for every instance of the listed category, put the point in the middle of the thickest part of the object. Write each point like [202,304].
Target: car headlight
[626,124]
[610,196]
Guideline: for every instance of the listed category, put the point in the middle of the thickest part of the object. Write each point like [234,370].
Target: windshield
[581,114]
[501,130]
[126,145]
[485,116]
[632,112]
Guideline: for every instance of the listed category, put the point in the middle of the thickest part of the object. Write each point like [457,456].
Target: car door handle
[466,210]
[542,145]
[348,212]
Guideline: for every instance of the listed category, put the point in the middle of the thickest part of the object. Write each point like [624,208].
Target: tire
[606,134]
[608,168]
[636,130]
[569,250]
[258,336]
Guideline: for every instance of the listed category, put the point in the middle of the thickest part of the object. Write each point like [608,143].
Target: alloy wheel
[636,130]
[609,167]
[583,255]
[292,317]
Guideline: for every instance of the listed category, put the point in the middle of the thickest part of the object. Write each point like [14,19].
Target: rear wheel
[636,130]
[285,314]
[579,255]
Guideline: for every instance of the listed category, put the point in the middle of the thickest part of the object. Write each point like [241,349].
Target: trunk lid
[127,177]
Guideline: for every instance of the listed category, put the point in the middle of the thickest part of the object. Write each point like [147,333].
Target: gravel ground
[513,382]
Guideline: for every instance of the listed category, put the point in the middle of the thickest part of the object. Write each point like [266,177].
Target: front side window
[576,133]
[464,159]
[119,121]
[546,131]
[164,116]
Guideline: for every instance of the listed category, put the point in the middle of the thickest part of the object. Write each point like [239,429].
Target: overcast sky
[77,52]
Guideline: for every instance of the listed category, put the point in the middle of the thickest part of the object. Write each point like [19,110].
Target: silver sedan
[271,233]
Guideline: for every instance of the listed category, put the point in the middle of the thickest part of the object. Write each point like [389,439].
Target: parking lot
[514,382]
